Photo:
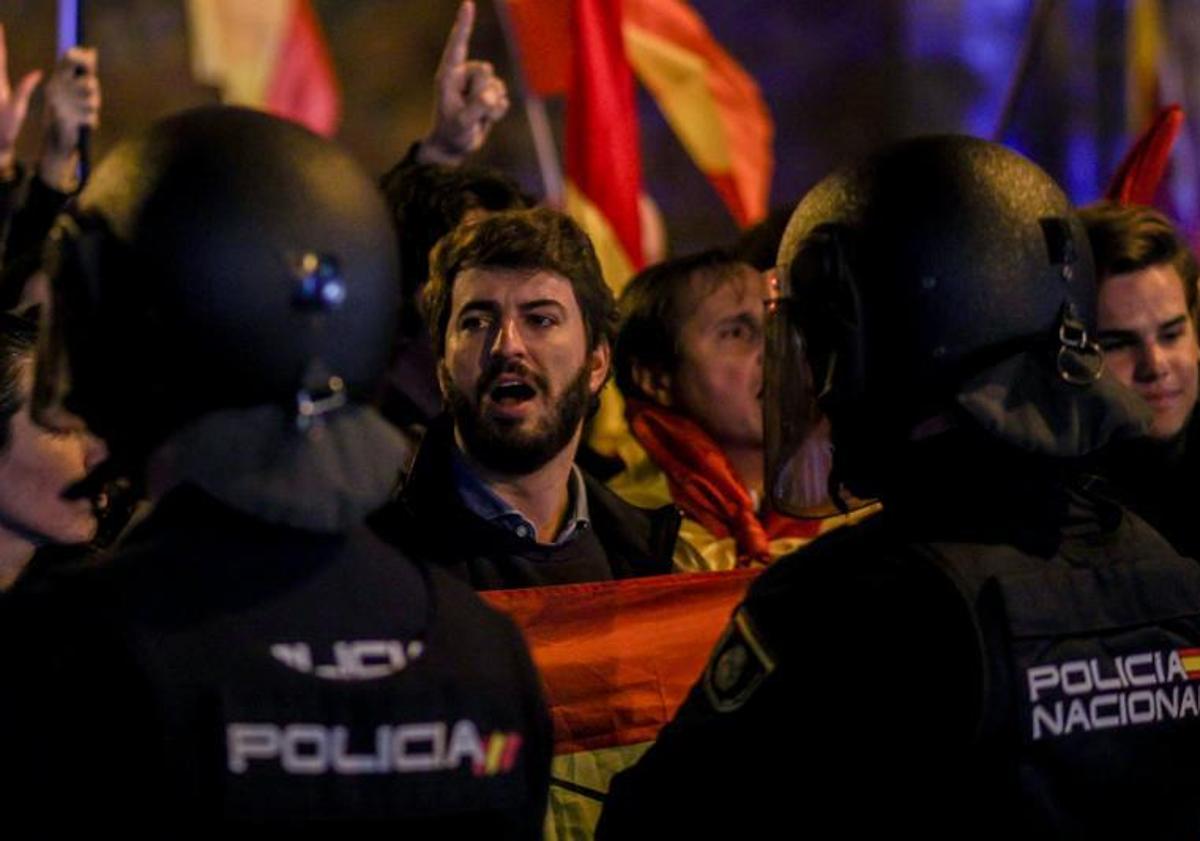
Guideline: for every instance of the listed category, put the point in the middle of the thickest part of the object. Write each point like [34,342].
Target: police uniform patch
[737,666]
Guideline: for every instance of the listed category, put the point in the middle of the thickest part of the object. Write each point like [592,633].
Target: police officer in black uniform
[996,654]
[225,294]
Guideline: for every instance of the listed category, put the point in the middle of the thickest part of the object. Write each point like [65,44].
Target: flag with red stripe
[603,158]
[712,104]
[617,658]
[269,54]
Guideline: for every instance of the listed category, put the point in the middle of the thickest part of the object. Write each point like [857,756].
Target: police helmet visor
[797,434]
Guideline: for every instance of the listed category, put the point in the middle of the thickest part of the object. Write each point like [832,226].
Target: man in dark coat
[522,323]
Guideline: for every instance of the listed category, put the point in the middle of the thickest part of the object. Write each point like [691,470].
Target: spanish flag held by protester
[270,55]
[617,658]
[712,104]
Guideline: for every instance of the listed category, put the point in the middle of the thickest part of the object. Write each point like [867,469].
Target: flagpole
[70,34]
[1030,47]
[535,114]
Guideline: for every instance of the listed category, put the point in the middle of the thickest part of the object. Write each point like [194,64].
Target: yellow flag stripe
[678,79]
[235,45]
[495,752]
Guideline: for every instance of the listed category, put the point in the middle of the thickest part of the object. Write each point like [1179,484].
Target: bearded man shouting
[522,322]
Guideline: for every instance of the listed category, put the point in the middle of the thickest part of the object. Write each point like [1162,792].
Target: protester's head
[522,322]
[428,201]
[1147,308]
[225,260]
[941,290]
[38,465]
[691,339]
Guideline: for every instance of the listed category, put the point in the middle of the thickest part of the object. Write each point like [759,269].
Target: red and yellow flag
[1141,172]
[617,658]
[270,55]
[712,104]
[603,158]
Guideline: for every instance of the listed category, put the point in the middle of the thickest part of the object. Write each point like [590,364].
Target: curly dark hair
[535,239]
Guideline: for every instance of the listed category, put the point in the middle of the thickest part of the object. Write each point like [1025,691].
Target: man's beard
[505,447]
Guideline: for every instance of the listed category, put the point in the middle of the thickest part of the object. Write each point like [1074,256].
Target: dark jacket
[428,521]
[1158,480]
[220,668]
[978,661]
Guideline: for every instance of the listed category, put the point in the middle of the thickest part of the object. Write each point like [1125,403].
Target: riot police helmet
[946,281]
[223,259]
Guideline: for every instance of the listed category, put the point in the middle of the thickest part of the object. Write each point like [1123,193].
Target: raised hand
[72,103]
[469,98]
[14,106]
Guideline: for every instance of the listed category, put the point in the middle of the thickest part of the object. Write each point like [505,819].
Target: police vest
[1091,704]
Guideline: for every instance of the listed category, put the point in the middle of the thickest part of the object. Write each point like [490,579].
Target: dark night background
[840,79]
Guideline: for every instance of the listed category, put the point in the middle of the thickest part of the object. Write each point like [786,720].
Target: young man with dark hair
[689,362]
[522,323]
[1146,315]
[1147,278]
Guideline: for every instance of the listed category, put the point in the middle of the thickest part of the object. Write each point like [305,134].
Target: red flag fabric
[603,159]
[543,32]
[304,87]
[1141,172]
[270,55]
[617,658]
[711,103]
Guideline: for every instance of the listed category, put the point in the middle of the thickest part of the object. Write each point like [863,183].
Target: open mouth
[511,393]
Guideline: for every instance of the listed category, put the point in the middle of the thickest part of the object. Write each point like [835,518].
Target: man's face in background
[1149,341]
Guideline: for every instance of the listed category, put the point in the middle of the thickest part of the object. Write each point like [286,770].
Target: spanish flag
[603,159]
[1141,172]
[713,105]
[1190,659]
[617,658]
[267,54]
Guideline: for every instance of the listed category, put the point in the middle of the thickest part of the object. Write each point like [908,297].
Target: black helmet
[945,280]
[224,259]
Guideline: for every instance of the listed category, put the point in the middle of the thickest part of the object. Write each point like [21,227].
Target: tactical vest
[1090,721]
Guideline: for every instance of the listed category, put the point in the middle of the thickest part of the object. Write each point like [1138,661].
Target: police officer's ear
[653,382]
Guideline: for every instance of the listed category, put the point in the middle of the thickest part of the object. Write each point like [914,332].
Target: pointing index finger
[455,53]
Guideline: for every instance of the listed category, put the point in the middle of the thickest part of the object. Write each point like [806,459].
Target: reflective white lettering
[1140,668]
[1041,678]
[244,742]
[419,747]
[1042,718]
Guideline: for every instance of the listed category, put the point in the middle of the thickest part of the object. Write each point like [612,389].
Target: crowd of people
[267,422]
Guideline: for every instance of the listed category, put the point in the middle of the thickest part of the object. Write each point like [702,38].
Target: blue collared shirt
[481,501]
